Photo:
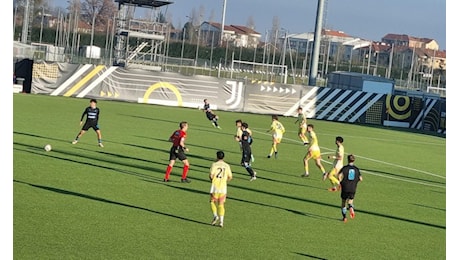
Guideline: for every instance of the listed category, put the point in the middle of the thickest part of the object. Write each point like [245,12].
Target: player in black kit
[92,116]
[210,115]
[246,140]
[349,176]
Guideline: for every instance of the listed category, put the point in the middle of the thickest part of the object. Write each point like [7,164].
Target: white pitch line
[404,167]
[401,179]
[370,159]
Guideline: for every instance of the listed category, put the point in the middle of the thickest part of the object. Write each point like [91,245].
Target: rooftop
[144,3]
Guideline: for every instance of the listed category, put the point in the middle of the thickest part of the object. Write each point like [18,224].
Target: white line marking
[377,161]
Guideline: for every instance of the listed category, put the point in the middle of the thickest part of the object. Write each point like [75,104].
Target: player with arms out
[302,120]
[337,164]
[92,113]
[210,114]
[220,174]
[314,152]
[349,177]
[177,151]
[277,129]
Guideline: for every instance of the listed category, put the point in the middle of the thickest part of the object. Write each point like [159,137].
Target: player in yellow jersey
[302,120]
[220,173]
[277,130]
[314,152]
[239,132]
[336,165]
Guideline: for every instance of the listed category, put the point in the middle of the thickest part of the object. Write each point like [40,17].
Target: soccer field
[86,202]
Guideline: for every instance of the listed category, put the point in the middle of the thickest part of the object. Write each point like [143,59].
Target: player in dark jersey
[210,114]
[246,141]
[238,135]
[92,117]
[349,177]
[177,151]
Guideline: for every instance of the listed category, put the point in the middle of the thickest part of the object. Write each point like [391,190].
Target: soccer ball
[47,147]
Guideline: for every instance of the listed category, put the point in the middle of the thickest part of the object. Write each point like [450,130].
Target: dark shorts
[90,124]
[210,116]
[177,153]
[347,195]
[246,156]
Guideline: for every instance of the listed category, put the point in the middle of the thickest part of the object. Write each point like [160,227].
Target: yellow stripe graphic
[83,80]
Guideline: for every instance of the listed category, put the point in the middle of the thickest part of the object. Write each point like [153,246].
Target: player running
[349,177]
[302,120]
[277,129]
[246,141]
[336,165]
[314,152]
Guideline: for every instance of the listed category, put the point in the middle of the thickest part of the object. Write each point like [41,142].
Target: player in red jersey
[177,151]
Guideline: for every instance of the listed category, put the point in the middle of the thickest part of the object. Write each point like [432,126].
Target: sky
[367,19]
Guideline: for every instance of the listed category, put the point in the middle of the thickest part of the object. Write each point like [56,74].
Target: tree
[97,12]
[109,9]
[91,9]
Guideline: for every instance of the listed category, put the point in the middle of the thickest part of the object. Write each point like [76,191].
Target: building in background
[410,41]
[235,35]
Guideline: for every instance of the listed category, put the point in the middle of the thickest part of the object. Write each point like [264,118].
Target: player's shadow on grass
[127,160]
[403,176]
[152,119]
[167,154]
[189,144]
[255,203]
[303,180]
[192,155]
[429,207]
[85,196]
[57,154]
[310,256]
[42,137]
[192,126]
[309,201]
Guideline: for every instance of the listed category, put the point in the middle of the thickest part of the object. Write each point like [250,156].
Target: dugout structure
[140,43]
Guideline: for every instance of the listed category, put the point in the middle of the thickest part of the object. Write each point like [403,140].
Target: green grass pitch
[86,202]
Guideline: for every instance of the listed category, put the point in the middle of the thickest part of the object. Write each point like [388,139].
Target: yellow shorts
[333,172]
[302,130]
[277,138]
[220,197]
[314,154]
[337,166]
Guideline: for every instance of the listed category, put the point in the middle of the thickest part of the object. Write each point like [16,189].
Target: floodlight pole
[92,35]
[316,44]
[182,49]
[198,42]
[222,26]
[41,24]
[14,20]
[284,51]
[25,23]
